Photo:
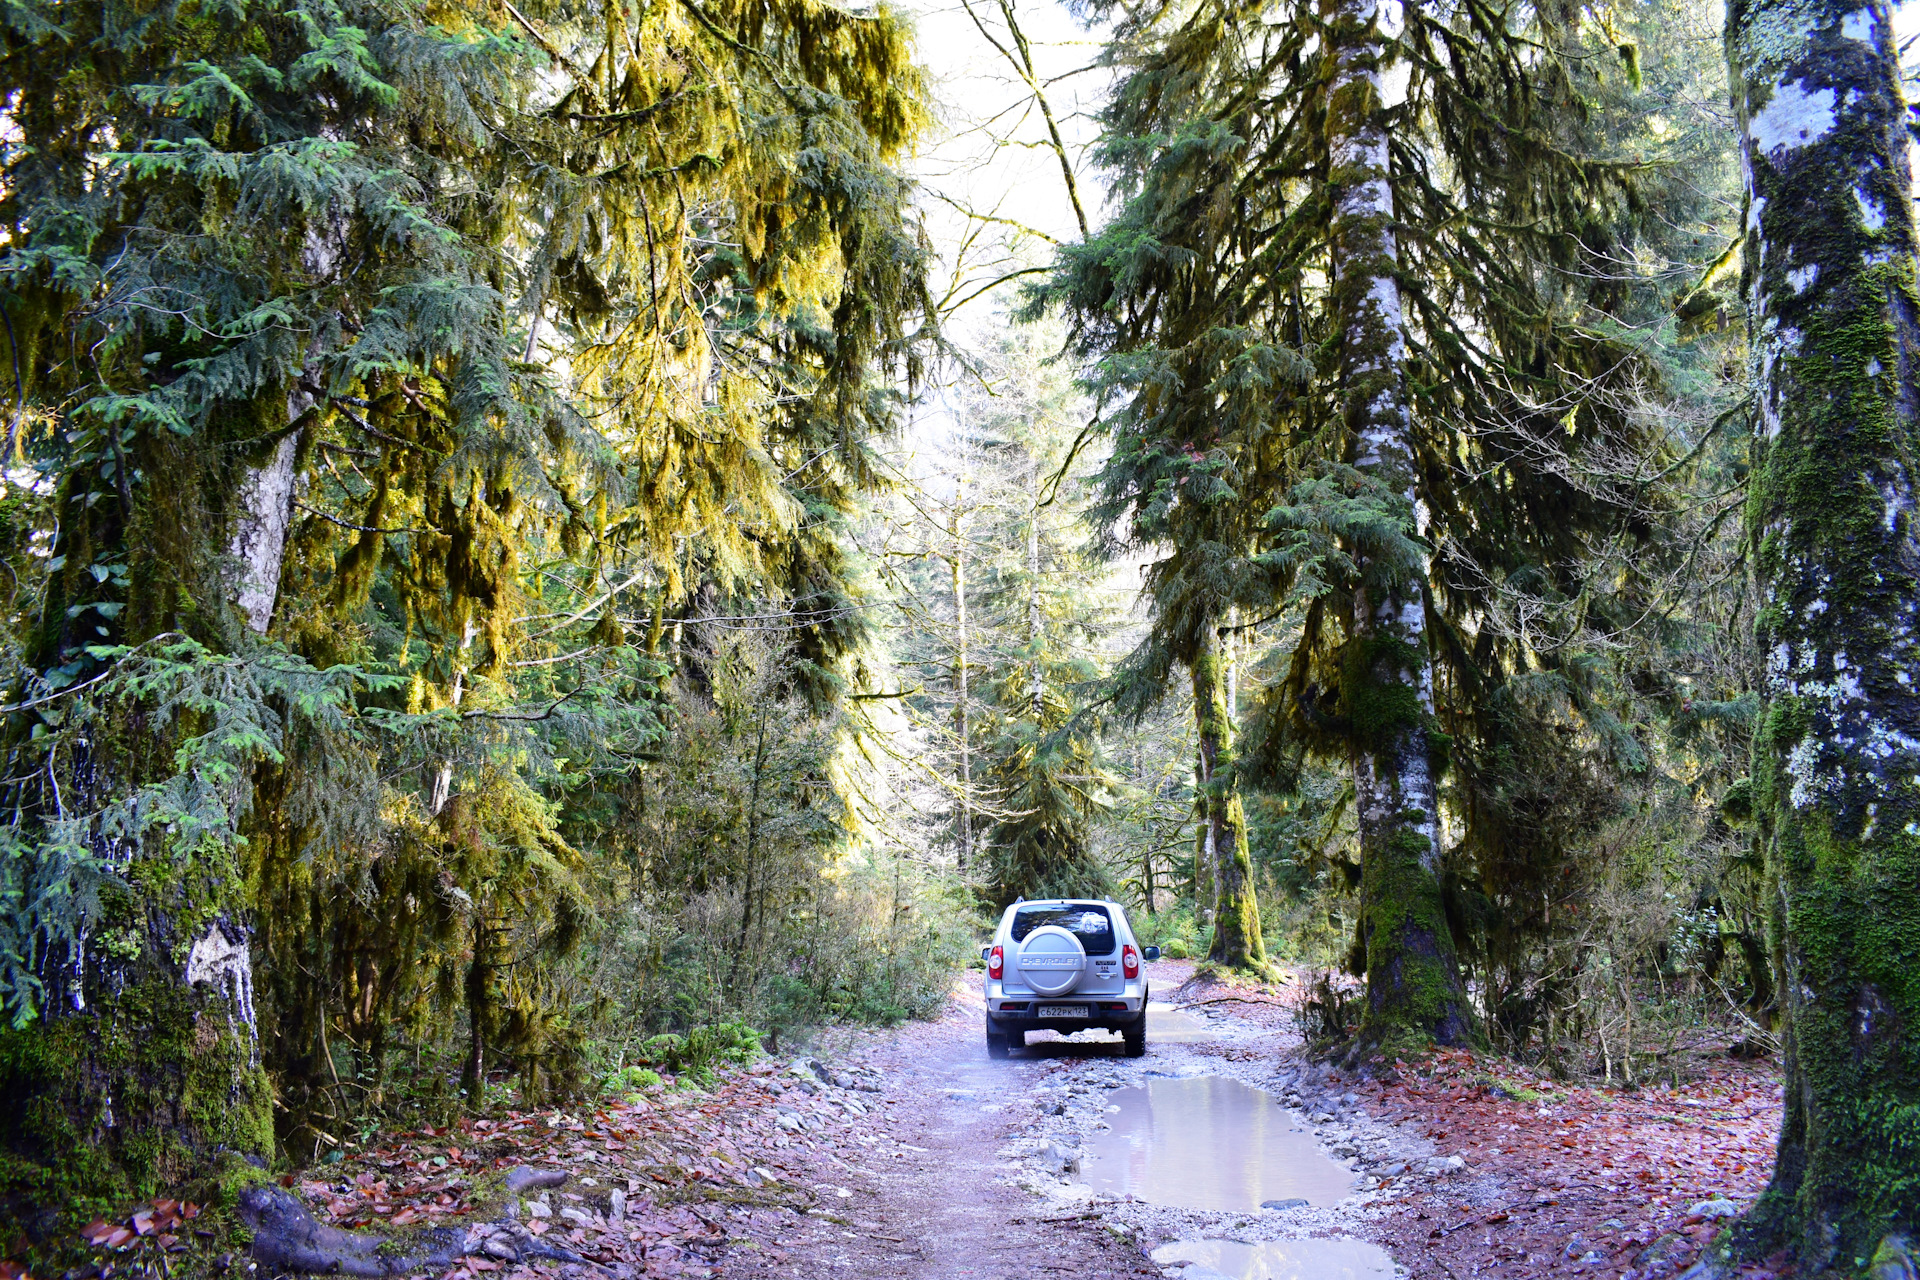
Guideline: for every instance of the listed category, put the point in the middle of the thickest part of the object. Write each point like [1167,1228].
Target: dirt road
[973,1168]
[931,1188]
[907,1154]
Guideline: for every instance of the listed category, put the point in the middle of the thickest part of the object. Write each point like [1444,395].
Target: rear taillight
[1130,961]
[997,963]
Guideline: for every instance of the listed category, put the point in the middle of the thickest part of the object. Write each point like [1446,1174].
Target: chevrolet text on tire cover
[1065,964]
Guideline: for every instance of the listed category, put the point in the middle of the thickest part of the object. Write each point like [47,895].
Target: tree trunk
[1233,664]
[1236,910]
[142,1066]
[963,731]
[260,536]
[1414,992]
[479,991]
[1832,310]
[753,855]
[1036,678]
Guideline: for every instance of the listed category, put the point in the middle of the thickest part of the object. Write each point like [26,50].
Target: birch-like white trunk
[1036,677]
[1834,520]
[265,512]
[260,534]
[1413,984]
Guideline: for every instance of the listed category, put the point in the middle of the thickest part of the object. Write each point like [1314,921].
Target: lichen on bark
[1836,781]
[1413,983]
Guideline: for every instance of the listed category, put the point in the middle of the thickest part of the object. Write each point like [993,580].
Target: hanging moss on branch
[396,365]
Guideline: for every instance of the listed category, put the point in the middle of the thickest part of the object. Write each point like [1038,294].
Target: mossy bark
[145,1077]
[1414,991]
[1237,942]
[1830,279]
[142,1067]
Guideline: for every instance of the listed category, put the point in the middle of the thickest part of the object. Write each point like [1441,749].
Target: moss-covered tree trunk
[143,1066]
[1830,280]
[1223,823]
[1413,985]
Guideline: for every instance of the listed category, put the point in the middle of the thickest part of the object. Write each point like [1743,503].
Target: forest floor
[908,1153]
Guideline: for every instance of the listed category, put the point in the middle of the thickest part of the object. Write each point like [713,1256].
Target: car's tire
[996,1045]
[1018,1039]
[1135,1037]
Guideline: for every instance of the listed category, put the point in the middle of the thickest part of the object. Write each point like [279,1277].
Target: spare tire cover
[1052,960]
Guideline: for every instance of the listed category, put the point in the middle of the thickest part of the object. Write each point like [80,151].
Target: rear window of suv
[1088,921]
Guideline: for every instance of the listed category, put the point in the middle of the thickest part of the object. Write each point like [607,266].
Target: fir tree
[1042,758]
[1262,154]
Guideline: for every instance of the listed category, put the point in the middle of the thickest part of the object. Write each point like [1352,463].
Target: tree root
[288,1240]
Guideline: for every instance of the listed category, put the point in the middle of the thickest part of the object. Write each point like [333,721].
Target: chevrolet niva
[1065,965]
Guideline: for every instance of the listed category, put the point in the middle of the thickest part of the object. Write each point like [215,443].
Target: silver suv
[1065,965]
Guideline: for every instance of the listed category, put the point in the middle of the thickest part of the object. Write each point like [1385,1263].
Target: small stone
[1718,1207]
[527,1178]
[617,1212]
[1058,1161]
[1390,1170]
[1349,1098]
[501,1249]
[1283,1204]
[1664,1249]
[539,1209]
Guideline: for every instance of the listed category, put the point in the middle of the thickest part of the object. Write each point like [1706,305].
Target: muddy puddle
[1279,1259]
[1168,1025]
[1207,1142]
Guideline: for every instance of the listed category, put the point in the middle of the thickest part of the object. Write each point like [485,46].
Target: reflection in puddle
[1168,1025]
[1209,1143]
[1282,1259]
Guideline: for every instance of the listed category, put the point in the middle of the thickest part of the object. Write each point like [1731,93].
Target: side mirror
[985,952]
[1151,953]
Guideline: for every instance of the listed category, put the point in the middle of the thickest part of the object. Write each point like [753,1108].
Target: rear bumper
[1111,1013]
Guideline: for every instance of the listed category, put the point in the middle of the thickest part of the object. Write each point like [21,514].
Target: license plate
[1062,1011]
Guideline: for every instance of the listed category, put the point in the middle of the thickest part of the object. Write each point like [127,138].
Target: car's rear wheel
[1018,1039]
[996,1044]
[1135,1038]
